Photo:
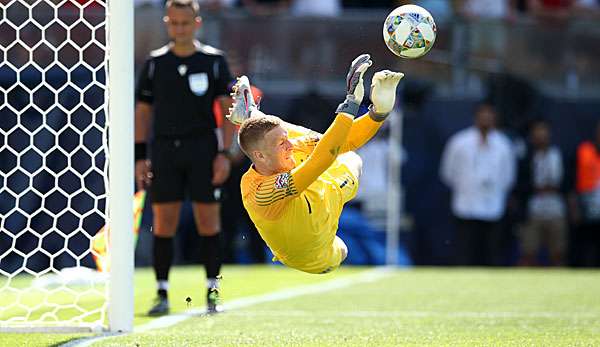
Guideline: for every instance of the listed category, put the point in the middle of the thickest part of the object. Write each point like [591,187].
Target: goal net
[55,140]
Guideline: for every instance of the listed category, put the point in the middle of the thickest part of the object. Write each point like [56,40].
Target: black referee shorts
[182,168]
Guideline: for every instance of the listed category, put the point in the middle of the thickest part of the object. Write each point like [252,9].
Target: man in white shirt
[478,165]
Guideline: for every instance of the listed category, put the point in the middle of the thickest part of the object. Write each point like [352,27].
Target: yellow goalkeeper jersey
[297,212]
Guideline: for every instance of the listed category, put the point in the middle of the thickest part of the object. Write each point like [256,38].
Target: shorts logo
[198,83]
[282,181]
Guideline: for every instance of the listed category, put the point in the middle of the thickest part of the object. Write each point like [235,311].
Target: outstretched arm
[383,94]
[336,135]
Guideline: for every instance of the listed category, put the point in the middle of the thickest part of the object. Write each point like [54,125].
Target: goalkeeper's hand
[354,79]
[355,90]
[383,93]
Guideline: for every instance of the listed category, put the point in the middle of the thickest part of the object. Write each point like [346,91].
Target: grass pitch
[406,307]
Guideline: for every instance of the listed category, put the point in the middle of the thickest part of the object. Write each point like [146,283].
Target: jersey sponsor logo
[282,181]
[198,83]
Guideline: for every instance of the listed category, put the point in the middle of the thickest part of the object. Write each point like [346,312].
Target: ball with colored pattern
[409,31]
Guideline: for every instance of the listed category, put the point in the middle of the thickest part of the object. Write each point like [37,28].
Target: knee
[358,164]
[353,162]
[208,228]
[163,227]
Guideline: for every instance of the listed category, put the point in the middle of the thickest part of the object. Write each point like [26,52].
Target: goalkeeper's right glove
[383,93]
[355,89]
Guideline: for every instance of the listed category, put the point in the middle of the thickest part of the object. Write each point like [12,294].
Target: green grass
[413,307]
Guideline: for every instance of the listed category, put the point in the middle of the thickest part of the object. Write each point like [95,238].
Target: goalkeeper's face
[276,151]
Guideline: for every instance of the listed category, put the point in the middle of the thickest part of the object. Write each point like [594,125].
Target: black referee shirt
[182,90]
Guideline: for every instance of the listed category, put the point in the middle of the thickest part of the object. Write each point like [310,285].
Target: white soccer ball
[409,31]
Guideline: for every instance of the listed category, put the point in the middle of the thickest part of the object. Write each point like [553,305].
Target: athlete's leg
[208,224]
[166,219]
[167,193]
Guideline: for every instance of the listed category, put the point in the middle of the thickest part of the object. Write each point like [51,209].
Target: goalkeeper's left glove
[383,93]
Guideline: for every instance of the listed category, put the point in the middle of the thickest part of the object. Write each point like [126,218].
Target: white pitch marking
[170,320]
[414,314]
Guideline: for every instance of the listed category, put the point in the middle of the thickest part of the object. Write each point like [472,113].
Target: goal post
[120,215]
[66,164]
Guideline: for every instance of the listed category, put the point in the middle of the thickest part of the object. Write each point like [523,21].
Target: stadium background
[528,67]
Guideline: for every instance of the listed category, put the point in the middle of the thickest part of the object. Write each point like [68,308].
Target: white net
[53,161]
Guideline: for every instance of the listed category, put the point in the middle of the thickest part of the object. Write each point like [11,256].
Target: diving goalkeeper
[300,180]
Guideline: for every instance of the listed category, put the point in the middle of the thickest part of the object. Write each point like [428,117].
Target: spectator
[175,94]
[478,166]
[546,214]
[585,203]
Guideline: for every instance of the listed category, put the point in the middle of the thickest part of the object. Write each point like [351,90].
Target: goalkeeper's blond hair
[253,130]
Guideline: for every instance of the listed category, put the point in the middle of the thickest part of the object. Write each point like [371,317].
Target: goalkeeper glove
[383,93]
[355,89]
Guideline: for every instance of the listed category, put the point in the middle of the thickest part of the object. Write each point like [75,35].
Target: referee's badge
[198,83]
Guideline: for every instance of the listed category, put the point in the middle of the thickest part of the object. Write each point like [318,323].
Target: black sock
[162,258]
[211,253]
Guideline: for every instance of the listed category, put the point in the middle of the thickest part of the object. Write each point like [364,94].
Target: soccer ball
[409,31]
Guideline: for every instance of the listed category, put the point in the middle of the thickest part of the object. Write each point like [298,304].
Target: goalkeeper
[300,180]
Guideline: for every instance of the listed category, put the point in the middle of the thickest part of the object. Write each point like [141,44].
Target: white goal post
[66,164]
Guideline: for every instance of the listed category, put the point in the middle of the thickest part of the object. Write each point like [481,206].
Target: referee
[188,157]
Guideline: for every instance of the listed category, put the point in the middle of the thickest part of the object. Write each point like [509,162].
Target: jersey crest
[282,181]
[198,83]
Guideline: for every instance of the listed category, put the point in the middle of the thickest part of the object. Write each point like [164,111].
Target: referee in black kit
[188,157]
